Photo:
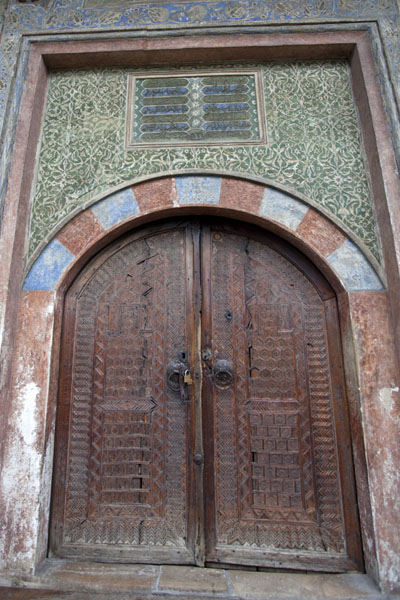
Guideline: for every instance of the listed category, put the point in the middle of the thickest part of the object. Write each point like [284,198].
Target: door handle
[223,374]
[178,378]
[175,372]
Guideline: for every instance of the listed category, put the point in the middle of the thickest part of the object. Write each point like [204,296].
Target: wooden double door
[201,414]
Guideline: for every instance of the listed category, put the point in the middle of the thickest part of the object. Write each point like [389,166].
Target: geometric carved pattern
[275,460]
[323,434]
[274,466]
[126,437]
[270,358]
[125,458]
[275,454]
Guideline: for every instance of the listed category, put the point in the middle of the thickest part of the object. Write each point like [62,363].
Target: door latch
[187,378]
[178,378]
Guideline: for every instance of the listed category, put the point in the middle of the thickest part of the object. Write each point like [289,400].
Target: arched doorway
[202,415]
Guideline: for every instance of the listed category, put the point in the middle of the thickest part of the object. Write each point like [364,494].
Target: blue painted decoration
[48,268]
[282,208]
[198,190]
[353,269]
[116,208]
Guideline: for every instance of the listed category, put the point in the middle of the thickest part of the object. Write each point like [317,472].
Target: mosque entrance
[202,415]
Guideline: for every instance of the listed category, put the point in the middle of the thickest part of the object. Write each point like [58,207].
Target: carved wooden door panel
[201,415]
[272,392]
[125,466]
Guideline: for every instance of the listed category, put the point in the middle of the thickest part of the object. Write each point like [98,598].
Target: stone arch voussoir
[312,232]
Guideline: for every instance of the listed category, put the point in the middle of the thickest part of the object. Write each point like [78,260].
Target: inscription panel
[195,108]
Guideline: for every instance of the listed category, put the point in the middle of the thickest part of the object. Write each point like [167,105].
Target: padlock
[187,378]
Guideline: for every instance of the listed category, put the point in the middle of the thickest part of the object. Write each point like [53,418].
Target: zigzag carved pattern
[79,467]
[177,413]
[97,420]
[133,278]
[79,451]
[267,265]
[308,483]
[139,532]
[156,268]
[275,536]
[224,401]
[266,281]
[326,466]
[260,271]
[114,328]
[244,295]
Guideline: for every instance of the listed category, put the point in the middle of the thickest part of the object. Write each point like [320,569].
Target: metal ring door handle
[223,374]
[178,378]
[175,372]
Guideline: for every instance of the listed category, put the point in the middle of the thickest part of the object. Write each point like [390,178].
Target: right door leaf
[277,484]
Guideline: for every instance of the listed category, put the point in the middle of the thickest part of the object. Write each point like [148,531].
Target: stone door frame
[31,325]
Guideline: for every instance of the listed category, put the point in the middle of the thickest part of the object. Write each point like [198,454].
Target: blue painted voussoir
[353,269]
[48,268]
[282,208]
[195,189]
[116,208]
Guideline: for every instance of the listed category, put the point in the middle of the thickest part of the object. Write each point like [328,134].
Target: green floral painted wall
[313,146]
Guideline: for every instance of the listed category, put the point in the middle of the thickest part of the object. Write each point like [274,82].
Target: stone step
[79,580]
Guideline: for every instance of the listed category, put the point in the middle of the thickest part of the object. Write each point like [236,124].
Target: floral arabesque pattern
[313,146]
[56,17]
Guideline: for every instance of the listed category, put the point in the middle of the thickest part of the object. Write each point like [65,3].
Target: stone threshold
[71,580]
